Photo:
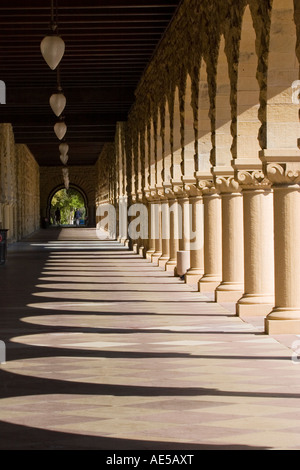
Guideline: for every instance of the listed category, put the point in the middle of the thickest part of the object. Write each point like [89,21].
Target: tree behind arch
[67,201]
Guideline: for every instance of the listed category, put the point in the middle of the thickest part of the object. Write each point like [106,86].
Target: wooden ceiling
[108,45]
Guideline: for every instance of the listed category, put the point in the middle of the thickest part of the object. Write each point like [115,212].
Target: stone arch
[61,186]
[160,147]
[80,177]
[248,94]
[147,147]
[282,112]
[152,148]
[204,144]
[167,143]
[176,138]
[188,144]
[223,136]
[142,157]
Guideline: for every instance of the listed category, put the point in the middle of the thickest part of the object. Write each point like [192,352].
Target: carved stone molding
[140,196]
[227,184]
[207,187]
[283,173]
[252,179]
[161,194]
[151,195]
[168,190]
[179,190]
[192,190]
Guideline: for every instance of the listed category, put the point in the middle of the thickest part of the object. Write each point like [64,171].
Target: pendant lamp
[64,159]
[52,46]
[63,148]
[60,129]
[58,102]
[52,49]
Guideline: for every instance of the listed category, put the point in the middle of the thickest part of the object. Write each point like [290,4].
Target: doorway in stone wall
[64,203]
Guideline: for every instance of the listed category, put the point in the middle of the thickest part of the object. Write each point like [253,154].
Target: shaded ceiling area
[108,46]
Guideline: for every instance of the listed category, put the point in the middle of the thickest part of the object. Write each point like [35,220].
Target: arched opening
[67,207]
[223,112]
[188,132]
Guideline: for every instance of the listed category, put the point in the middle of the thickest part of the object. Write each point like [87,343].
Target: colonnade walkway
[106,351]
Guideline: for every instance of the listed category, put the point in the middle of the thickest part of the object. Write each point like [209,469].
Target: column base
[282,327]
[228,292]
[149,254]
[142,251]
[155,257]
[163,261]
[135,248]
[208,283]
[170,266]
[255,310]
[283,321]
[193,276]
[254,305]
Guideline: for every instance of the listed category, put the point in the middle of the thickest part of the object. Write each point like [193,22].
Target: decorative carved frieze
[227,184]
[252,179]
[283,173]
[207,187]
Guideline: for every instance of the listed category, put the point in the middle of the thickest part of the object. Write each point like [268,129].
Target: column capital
[168,190]
[192,190]
[281,166]
[283,173]
[179,190]
[140,196]
[226,184]
[252,179]
[161,194]
[150,195]
[207,187]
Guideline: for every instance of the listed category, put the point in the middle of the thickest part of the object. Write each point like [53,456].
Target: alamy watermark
[136,222]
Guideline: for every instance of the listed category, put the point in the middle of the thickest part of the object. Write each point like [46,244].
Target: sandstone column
[157,232]
[285,176]
[232,286]
[258,298]
[151,227]
[196,270]
[183,254]
[212,238]
[174,211]
[165,233]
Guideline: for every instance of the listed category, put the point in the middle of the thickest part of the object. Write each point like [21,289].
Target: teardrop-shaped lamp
[52,49]
[64,159]
[60,129]
[57,102]
[63,148]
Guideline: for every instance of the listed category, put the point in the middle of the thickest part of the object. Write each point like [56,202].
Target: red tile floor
[104,350]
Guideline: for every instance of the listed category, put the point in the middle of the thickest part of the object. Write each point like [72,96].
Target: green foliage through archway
[67,201]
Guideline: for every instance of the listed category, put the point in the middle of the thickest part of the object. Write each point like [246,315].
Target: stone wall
[28,192]
[19,187]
